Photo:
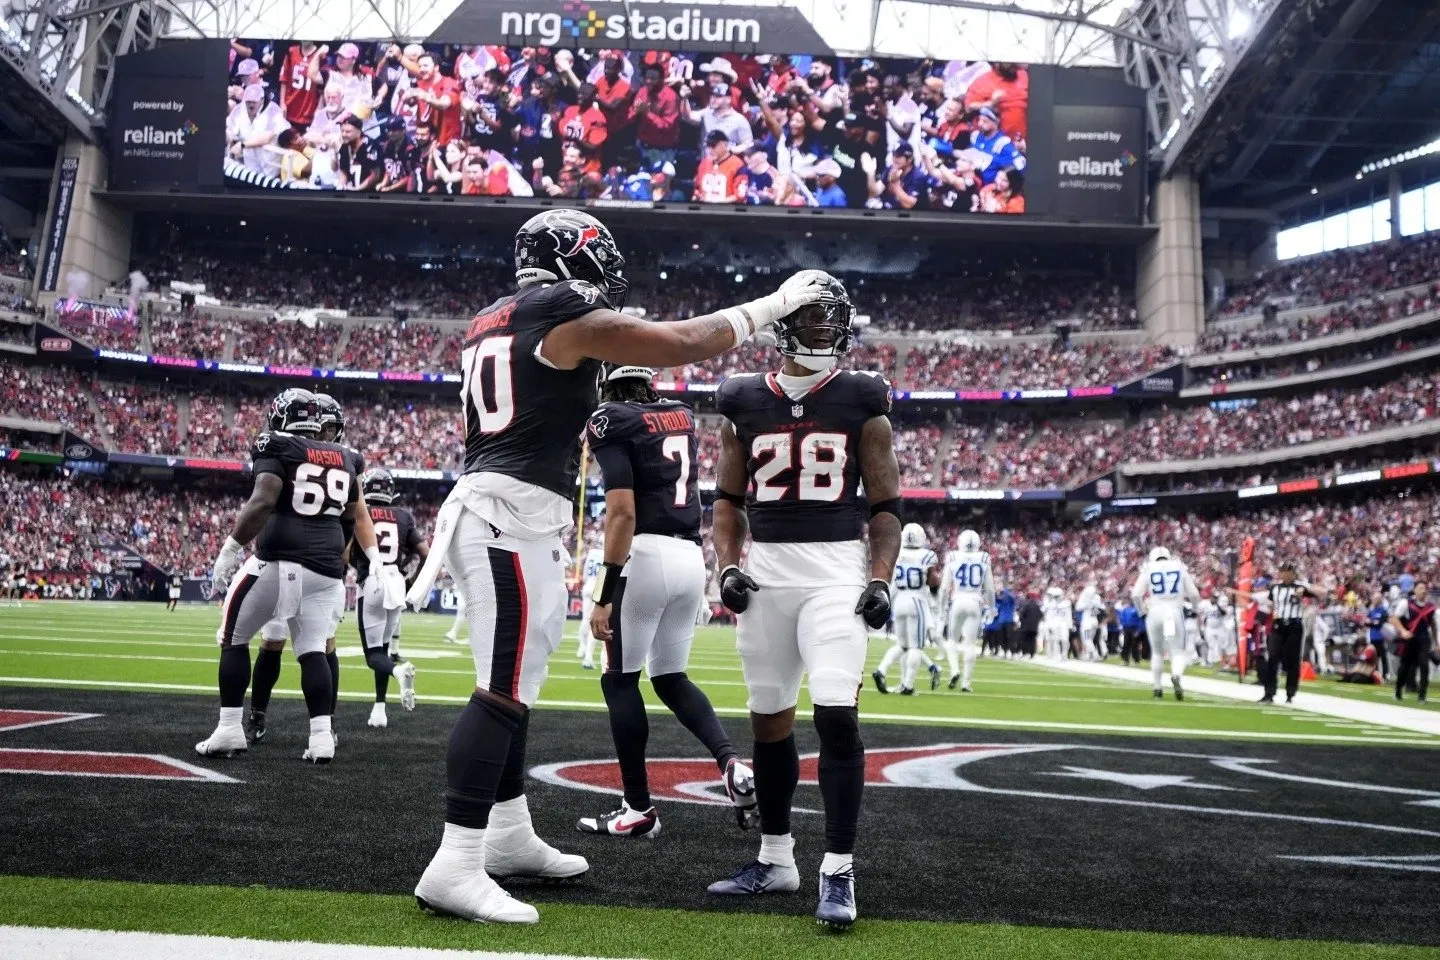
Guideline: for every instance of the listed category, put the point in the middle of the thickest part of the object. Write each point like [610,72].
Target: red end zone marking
[22,719]
[78,763]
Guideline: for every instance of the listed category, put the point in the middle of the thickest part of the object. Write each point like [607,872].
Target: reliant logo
[1089,167]
[159,137]
[581,21]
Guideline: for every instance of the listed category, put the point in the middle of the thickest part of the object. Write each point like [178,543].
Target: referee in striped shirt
[1287,633]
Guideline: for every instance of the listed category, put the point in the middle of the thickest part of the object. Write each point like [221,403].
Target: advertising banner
[1156,383]
[1099,162]
[155,126]
[59,224]
[632,26]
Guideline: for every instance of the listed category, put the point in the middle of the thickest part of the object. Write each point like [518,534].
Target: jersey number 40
[969,576]
[821,475]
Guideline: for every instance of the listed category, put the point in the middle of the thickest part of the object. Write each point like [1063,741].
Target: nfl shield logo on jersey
[798,410]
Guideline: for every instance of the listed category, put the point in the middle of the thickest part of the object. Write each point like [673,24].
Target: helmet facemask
[818,334]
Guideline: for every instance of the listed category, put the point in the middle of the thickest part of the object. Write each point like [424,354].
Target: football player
[176,582]
[1057,619]
[453,634]
[272,635]
[916,571]
[795,447]
[649,592]
[972,601]
[1161,591]
[530,364]
[594,562]
[304,486]
[378,610]
[1092,622]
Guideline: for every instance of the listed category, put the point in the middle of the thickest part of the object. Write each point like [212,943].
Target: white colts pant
[1054,635]
[653,620]
[1090,633]
[965,622]
[912,619]
[514,601]
[264,590]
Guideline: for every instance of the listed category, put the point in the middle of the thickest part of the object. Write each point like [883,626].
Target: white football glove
[702,616]
[805,287]
[225,565]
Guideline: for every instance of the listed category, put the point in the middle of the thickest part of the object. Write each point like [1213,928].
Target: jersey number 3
[320,490]
[822,459]
[387,540]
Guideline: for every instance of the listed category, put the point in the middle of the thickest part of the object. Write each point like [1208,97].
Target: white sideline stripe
[1257,735]
[48,943]
[1340,708]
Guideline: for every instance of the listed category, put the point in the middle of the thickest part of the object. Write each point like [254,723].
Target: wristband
[605,583]
[736,498]
[891,506]
[231,548]
[740,324]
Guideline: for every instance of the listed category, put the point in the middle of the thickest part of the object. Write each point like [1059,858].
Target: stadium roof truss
[1181,50]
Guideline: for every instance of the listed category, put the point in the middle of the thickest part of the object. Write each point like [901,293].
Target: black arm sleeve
[614,460]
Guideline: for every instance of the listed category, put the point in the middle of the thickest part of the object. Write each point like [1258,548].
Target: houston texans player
[272,635]
[530,364]
[378,610]
[650,590]
[304,487]
[795,447]
[589,574]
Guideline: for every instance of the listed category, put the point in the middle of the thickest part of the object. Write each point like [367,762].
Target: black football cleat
[954,681]
[1179,693]
[907,691]
[1158,694]
[837,899]
[758,877]
[934,676]
[256,732]
[879,679]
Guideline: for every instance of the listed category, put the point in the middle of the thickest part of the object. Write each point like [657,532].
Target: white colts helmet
[1054,593]
[912,536]
[1159,553]
[969,541]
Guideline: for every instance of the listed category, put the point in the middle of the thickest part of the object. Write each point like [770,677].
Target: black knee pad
[612,682]
[668,684]
[839,730]
[379,661]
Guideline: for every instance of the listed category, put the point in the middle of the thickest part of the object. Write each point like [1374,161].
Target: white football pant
[664,587]
[1165,626]
[966,625]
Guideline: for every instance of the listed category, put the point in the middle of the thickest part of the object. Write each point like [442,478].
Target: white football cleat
[518,852]
[740,788]
[226,741]
[405,673]
[321,748]
[624,822]
[377,719]
[451,887]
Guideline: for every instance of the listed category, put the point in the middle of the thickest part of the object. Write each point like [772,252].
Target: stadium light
[1240,23]
[1415,153]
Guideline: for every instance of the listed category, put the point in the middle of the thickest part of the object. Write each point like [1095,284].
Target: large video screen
[628,126]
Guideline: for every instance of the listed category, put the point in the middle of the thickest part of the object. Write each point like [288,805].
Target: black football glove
[874,605]
[735,588]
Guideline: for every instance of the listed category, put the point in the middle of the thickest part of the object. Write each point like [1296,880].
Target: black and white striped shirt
[1285,600]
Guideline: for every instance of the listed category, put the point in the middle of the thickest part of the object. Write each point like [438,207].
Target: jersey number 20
[320,490]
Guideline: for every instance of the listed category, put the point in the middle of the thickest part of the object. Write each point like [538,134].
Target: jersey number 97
[1165,583]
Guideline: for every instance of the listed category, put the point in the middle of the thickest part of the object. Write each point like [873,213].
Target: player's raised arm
[881,474]
[731,524]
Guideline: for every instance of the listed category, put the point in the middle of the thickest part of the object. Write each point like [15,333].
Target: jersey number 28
[822,459]
[320,490]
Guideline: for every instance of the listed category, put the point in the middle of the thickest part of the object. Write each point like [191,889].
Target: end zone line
[1058,726]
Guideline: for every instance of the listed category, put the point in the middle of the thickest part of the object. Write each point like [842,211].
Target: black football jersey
[803,456]
[650,448]
[396,537]
[357,464]
[320,481]
[523,417]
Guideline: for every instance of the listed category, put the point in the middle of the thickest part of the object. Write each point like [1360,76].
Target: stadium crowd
[1358,315]
[1338,275]
[946,365]
[58,521]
